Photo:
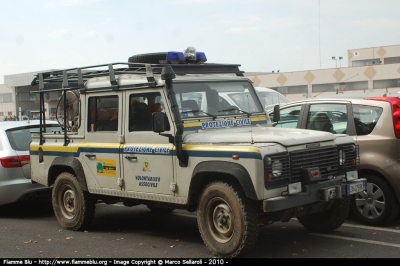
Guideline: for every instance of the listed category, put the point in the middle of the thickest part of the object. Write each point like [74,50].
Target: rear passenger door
[100,151]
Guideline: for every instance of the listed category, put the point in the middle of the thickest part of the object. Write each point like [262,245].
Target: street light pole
[340,60]
[340,63]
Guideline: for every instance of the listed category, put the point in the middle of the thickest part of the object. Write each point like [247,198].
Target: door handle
[134,157]
[90,156]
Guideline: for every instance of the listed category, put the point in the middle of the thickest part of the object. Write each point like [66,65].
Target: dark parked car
[15,182]
[374,123]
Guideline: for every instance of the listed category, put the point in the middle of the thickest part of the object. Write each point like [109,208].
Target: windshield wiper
[235,109]
[213,116]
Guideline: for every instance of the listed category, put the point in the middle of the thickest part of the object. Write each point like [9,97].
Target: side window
[289,117]
[190,103]
[103,113]
[328,117]
[365,118]
[142,106]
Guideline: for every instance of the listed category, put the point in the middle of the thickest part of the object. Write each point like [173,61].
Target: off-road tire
[227,221]
[327,220]
[151,58]
[159,210]
[377,205]
[73,207]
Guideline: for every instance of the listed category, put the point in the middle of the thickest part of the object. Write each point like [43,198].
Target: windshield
[216,99]
[270,99]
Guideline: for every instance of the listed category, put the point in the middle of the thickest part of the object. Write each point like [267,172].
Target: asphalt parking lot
[32,231]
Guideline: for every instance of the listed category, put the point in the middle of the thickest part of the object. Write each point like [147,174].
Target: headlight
[277,168]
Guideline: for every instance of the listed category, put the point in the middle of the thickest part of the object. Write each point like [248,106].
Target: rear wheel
[377,205]
[328,220]
[227,221]
[73,207]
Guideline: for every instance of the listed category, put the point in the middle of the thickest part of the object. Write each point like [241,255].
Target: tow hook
[327,194]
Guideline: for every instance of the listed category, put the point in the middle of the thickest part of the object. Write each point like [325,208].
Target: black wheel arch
[208,171]
[67,164]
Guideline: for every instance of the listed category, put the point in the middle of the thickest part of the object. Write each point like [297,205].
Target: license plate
[354,188]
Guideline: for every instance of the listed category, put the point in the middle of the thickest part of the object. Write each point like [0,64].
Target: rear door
[101,150]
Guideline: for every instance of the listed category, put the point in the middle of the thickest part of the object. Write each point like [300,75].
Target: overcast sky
[261,35]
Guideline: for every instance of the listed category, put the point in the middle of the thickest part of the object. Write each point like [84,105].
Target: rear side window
[331,117]
[20,138]
[365,118]
[103,114]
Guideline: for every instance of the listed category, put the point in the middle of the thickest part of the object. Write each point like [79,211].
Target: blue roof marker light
[189,56]
[201,57]
[175,57]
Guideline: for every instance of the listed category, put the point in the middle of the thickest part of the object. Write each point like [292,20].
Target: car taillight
[395,102]
[15,161]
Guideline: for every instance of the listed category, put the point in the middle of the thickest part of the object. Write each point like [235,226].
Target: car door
[100,151]
[147,160]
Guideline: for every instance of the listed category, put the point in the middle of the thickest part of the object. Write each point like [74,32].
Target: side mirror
[277,114]
[159,122]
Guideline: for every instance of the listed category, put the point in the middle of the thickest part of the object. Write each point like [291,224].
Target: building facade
[369,70]
[8,109]
[26,103]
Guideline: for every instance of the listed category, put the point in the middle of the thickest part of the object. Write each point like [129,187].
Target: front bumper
[312,193]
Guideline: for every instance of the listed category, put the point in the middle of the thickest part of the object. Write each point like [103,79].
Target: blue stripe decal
[210,154]
[217,125]
[224,154]
[76,154]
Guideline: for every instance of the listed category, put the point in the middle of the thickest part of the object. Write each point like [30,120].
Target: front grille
[351,154]
[326,159]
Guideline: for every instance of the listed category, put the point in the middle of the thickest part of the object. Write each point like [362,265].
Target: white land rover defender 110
[136,135]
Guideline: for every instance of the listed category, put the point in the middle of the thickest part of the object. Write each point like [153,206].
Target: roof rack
[80,75]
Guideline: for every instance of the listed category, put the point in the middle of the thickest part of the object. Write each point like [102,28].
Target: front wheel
[73,207]
[327,220]
[227,221]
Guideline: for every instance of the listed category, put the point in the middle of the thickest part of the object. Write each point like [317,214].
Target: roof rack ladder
[113,81]
[149,74]
[42,125]
[65,87]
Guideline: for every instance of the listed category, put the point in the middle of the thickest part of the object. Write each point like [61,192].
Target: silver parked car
[15,182]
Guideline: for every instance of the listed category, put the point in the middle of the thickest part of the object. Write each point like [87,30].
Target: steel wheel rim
[371,203]
[220,220]
[66,200]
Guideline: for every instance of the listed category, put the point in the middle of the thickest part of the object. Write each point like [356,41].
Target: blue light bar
[201,57]
[175,57]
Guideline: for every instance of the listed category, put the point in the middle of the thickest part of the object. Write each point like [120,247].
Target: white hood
[283,136]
